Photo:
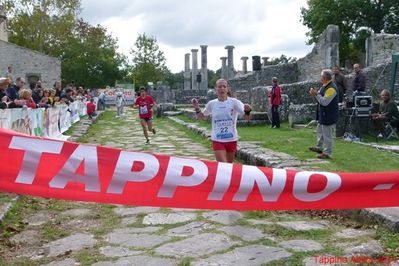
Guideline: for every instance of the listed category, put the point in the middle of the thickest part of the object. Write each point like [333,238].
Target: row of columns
[195,78]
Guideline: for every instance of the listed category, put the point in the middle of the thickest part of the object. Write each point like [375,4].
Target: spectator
[37,95]
[91,108]
[359,82]
[13,90]
[327,114]
[9,74]
[101,100]
[339,80]
[119,102]
[57,88]
[388,112]
[38,84]
[4,82]
[275,101]
[52,98]
[68,96]
[25,100]
[45,101]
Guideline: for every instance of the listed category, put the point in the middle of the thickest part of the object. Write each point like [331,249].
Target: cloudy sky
[255,27]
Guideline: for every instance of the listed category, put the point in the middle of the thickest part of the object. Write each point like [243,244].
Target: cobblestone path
[51,232]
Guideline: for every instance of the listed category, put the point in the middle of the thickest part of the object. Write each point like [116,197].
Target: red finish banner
[65,170]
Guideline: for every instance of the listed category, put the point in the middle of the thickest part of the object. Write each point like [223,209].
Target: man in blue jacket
[327,114]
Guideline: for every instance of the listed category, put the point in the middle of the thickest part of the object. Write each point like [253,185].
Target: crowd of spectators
[18,95]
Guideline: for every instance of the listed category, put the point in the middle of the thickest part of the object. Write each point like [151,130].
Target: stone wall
[185,96]
[27,62]
[286,73]
[163,94]
[381,47]
[325,54]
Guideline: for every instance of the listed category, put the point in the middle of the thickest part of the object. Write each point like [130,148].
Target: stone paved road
[52,232]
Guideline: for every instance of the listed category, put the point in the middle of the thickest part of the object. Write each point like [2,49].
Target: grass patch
[185,262]
[190,134]
[288,234]
[6,197]
[109,220]
[390,240]
[257,214]
[88,257]
[12,222]
[53,232]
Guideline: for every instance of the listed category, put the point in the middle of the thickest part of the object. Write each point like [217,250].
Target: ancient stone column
[265,59]
[3,25]
[187,73]
[332,34]
[244,64]
[224,74]
[194,69]
[230,61]
[204,67]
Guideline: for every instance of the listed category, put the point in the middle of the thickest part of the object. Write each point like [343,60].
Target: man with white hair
[327,114]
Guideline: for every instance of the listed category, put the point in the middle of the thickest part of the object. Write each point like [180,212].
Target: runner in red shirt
[145,103]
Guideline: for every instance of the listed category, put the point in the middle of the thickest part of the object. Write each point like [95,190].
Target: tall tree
[87,53]
[213,76]
[148,61]
[41,25]
[174,80]
[350,15]
[90,58]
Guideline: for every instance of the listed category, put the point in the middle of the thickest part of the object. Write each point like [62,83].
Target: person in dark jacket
[13,90]
[339,80]
[327,114]
[359,82]
[388,112]
[275,101]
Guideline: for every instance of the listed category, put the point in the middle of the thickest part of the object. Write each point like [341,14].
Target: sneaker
[153,131]
[380,135]
[147,142]
[323,156]
[316,149]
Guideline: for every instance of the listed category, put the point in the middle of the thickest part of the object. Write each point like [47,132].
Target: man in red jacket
[275,101]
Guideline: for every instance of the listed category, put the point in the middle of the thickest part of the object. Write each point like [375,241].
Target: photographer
[327,114]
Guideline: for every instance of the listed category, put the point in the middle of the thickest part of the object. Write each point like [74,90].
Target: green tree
[213,76]
[87,53]
[41,25]
[283,59]
[349,16]
[90,58]
[174,80]
[148,61]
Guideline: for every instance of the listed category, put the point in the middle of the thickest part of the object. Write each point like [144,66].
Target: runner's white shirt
[224,118]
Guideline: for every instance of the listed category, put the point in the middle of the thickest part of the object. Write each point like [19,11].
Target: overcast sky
[255,27]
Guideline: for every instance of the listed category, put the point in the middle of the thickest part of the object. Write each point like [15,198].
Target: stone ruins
[295,78]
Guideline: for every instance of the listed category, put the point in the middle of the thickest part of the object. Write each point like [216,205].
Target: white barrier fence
[50,122]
